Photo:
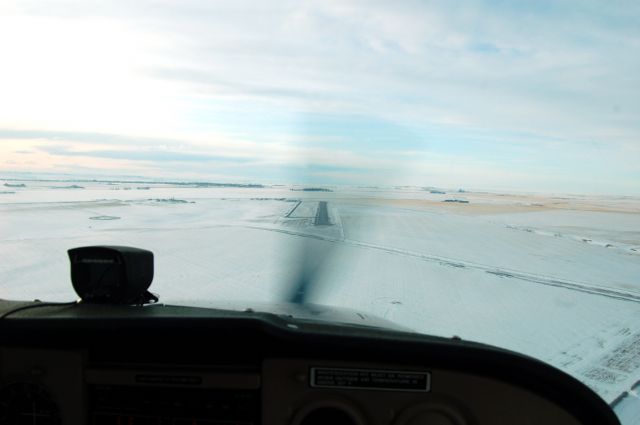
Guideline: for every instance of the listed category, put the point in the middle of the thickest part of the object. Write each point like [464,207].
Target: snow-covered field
[556,277]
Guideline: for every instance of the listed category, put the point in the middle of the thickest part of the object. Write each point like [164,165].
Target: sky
[526,96]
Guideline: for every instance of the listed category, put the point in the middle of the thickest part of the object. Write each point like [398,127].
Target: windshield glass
[456,169]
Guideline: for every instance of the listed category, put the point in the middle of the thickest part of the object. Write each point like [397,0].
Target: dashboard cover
[276,365]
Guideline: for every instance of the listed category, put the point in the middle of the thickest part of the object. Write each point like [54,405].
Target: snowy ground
[556,277]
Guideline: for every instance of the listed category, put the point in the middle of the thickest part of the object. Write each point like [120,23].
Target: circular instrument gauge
[331,411]
[25,403]
[431,414]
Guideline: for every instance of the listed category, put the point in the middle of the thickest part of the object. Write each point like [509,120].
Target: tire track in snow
[451,262]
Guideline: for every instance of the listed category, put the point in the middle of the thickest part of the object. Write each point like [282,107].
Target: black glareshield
[111,274]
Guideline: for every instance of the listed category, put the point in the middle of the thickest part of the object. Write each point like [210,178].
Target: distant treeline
[312,189]
[198,184]
[192,184]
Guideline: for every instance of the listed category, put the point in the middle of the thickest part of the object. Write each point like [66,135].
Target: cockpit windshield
[467,169]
